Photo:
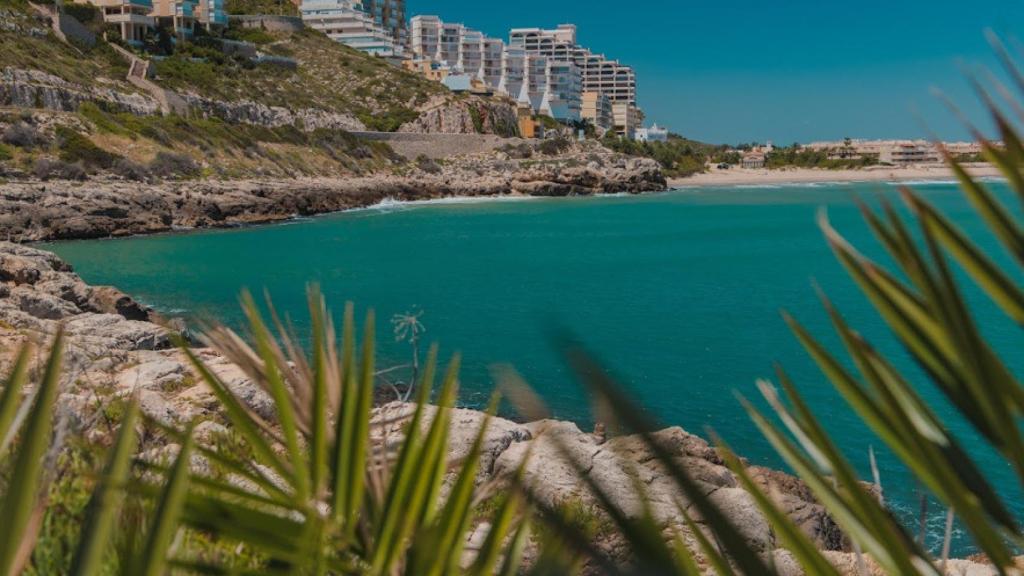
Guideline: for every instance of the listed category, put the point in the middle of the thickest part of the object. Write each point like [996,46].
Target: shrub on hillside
[554,146]
[174,165]
[428,165]
[275,7]
[84,13]
[389,121]
[76,148]
[130,170]
[22,135]
[520,151]
[45,169]
[5,153]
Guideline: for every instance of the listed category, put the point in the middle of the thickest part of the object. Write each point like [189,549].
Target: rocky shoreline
[34,210]
[117,348]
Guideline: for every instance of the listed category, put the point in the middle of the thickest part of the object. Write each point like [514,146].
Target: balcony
[129,18]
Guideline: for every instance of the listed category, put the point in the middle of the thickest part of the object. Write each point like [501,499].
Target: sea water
[679,294]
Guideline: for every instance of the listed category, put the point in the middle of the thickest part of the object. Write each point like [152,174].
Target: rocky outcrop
[249,112]
[467,115]
[31,211]
[39,291]
[37,89]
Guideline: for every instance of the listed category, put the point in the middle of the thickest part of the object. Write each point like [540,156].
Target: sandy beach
[741,176]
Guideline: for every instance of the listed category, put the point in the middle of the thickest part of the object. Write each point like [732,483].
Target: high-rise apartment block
[544,69]
[373,26]
[609,77]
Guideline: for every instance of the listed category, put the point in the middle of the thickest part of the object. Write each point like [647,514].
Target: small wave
[942,182]
[392,204]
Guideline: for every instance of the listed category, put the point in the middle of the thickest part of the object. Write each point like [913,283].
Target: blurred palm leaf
[325,490]
[26,426]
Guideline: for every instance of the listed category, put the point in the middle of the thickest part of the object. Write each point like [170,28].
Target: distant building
[907,152]
[466,83]
[513,72]
[893,151]
[628,119]
[210,14]
[753,160]
[177,15]
[562,91]
[528,125]
[599,74]
[424,37]
[428,69]
[351,23]
[545,69]
[390,16]
[132,17]
[597,109]
[653,134]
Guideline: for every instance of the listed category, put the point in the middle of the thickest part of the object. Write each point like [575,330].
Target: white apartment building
[449,43]
[513,70]
[493,54]
[599,74]
[424,34]
[563,91]
[348,22]
[133,17]
[535,81]
[471,53]
[549,85]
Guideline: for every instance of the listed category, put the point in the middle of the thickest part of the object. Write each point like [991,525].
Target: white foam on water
[391,204]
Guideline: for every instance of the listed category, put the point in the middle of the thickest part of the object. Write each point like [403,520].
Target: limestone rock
[42,305]
[114,331]
[501,434]
[110,300]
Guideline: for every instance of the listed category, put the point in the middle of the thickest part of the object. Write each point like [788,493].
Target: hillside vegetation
[330,76]
[277,7]
[143,148]
[26,42]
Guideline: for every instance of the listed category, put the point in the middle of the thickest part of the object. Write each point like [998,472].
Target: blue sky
[791,70]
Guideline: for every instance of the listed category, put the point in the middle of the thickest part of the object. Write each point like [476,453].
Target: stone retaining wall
[438,146]
[269,23]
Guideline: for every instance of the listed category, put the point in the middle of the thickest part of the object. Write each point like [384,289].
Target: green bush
[478,119]
[6,153]
[554,146]
[22,135]
[254,35]
[389,121]
[77,148]
[46,169]
[85,13]
[173,165]
[274,7]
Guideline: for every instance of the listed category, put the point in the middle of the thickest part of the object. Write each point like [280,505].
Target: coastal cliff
[33,210]
[117,348]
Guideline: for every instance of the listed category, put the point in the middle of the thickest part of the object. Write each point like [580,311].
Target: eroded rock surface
[99,208]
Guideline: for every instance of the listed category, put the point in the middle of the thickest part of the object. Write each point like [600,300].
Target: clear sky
[789,70]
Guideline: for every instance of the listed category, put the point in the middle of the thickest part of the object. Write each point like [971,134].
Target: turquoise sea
[678,293]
